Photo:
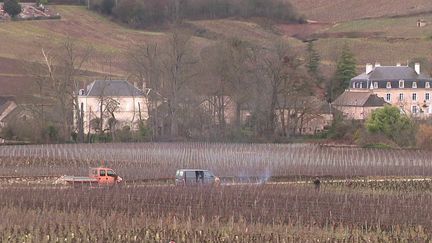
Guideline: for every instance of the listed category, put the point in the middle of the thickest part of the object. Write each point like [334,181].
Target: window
[414,85]
[414,96]
[388,97]
[414,109]
[111,173]
[401,84]
[388,85]
[375,85]
[208,175]
[199,176]
[427,85]
[102,172]
[427,96]
[401,97]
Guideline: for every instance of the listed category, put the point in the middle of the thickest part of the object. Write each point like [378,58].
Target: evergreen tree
[345,71]
[12,7]
[313,60]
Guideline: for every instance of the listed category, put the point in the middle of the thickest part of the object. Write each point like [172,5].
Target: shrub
[394,125]
[107,6]
[343,129]
[12,7]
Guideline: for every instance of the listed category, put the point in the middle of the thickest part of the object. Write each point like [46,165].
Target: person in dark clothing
[317,183]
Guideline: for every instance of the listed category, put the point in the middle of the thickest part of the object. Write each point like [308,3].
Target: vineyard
[152,161]
[350,209]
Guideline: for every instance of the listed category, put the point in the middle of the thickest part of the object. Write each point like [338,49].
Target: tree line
[144,13]
[230,90]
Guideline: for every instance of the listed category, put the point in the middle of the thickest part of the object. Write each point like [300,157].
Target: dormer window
[375,85]
[427,85]
[414,85]
[388,85]
[401,84]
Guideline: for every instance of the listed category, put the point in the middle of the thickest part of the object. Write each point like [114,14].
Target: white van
[195,177]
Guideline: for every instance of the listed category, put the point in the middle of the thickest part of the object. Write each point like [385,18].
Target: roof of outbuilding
[359,99]
[320,105]
[392,73]
[112,88]
[5,102]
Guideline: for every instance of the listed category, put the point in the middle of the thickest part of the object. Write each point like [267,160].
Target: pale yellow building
[401,86]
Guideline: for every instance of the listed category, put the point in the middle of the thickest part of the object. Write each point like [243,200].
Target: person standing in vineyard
[317,183]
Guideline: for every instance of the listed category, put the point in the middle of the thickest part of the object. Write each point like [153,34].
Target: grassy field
[345,10]
[403,27]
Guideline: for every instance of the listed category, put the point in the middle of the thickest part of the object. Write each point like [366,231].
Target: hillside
[22,42]
[344,10]
[385,39]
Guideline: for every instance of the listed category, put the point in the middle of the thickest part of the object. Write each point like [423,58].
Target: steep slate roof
[112,88]
[359,99]
[389,73]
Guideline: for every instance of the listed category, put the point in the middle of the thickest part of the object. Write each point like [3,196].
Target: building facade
[401,86]
[113,102]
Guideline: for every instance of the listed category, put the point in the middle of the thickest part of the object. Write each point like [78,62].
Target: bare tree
[169,71]
[145,65]
[214,83]
[236,70]
[178,73]
[62,73]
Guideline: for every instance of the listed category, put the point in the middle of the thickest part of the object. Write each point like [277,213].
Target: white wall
[127,114]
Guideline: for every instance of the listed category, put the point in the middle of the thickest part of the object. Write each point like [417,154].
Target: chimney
[377,64]
[369,68]
[417,67]
[398,64]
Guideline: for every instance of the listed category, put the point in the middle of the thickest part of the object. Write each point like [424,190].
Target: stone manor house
[402,86]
